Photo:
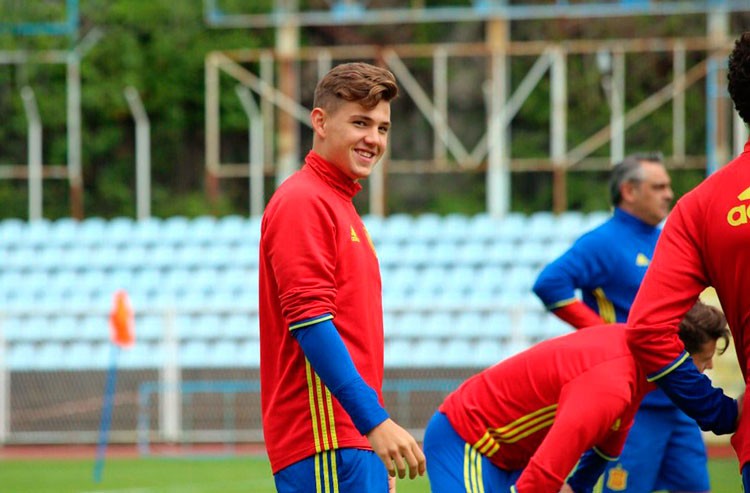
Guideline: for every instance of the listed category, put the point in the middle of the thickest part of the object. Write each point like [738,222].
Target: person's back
[665,449]
[538,395]
[704,243]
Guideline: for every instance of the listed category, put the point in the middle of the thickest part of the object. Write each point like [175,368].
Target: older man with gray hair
[665,449]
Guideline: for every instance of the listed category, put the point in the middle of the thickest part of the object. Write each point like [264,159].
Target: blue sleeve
[330,359]
[692,392]
[587,473]
[575,269]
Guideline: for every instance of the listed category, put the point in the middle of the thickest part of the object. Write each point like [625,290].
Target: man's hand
[397,449]
[566,489]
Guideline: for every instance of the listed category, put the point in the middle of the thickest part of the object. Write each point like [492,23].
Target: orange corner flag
[122,320]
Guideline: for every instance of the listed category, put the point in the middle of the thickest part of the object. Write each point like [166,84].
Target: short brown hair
[702,324]
[358,82]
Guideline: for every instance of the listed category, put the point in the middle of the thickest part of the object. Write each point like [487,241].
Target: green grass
[230,475]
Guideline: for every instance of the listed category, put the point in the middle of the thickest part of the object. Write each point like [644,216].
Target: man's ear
[318,120]
[627,191]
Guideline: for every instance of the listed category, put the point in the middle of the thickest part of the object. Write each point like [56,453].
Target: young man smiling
[321,317]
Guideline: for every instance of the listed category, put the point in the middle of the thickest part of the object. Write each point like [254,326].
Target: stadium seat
[118,232]
[456,228]
[142,355]
[483,228]
[398,228]
[427,353]
[427,228]
[230,230]
[248,354]
[374,225]
[457,353]
[398,353]
[487,352]
[12,232]
[21,356]
[92,231]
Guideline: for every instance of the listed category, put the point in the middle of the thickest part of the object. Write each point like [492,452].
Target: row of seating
[455,289]
[185,289]
[225,256]
[84,355]
[239,230]
[100,355]
[428,324]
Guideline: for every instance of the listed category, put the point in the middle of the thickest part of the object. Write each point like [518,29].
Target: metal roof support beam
[478,12]
[425,105]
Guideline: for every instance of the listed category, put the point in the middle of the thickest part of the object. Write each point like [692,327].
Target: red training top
[315,258]
[705,242]
[541,409]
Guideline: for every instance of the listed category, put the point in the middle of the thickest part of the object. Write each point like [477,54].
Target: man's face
[352,138]
[652,196]
[704,359]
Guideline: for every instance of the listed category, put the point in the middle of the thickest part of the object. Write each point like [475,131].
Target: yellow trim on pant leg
[334,472]
[318,487]
[467,467]
[480,479]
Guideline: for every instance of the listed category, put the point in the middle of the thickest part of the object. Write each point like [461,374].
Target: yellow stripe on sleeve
[669,369]
[311,397]
[606,308]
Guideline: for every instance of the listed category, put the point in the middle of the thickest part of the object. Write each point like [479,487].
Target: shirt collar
[633,222]
[332,175]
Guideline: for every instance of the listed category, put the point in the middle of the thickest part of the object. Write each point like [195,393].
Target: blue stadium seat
[202,230]
[472,254]
[12,232]
[147,231]
[230,230]
[37,233]
[542,226]
[456,228]
[176,230]
[512,227]
[427,353]
[142,355]
[92,231]
[441,324]
[398,228]
[118,231]
[488,352]
[374,225]
[444,253]
[409,324]
[398,353]
[21,356]
[483,228]
[457,353]
[63,232]
[248,354]
[195,354]
[426,228]
[470,324]
[569,225]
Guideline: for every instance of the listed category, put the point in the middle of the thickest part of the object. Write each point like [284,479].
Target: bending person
[524,423]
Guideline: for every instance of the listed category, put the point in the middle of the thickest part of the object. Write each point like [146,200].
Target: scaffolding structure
[273,75]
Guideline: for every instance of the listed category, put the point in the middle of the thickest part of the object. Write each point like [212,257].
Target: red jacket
[315,258]
[705,242]
[541,409]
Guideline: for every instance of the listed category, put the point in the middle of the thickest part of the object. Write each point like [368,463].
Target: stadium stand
[456,288]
